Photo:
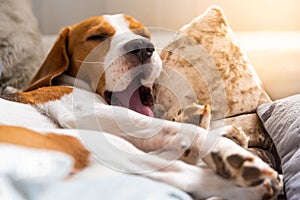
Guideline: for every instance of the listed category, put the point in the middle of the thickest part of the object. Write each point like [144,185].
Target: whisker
[89,62]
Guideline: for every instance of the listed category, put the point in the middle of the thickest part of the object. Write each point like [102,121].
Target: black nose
[141,48]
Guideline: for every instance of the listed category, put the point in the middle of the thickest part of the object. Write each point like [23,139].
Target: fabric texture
[282,121]
[29,173]
[205,64]
[207,55]
[21,51]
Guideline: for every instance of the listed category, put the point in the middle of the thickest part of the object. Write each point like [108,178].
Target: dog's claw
[271,188]
[183,144]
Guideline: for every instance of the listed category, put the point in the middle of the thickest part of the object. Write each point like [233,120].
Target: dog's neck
[67,80]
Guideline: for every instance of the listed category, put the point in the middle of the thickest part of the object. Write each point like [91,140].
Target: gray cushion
[21,50]
[282,121]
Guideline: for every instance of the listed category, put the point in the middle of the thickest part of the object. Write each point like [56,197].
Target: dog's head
[112,53]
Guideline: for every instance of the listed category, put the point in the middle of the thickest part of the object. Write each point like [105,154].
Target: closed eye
[99,37]
[144,35]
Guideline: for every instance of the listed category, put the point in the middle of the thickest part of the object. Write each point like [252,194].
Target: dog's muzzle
[141,48]
[135,72]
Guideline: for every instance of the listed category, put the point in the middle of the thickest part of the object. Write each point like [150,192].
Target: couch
[276,60]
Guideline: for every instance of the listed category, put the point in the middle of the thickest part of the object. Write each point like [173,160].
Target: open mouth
[135,97]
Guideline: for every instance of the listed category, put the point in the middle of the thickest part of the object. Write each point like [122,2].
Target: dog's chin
[136,97]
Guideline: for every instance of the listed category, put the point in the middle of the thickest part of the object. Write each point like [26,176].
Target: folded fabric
[28,164]
[23,170]
[0,68]
[113,188]
[41,174]
[282,121]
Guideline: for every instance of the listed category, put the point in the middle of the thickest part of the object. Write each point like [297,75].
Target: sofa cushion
[20,44]
[205,53]
[204,64]
[282,121]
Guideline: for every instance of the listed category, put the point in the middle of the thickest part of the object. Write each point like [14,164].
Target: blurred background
[243,15]
[268,30]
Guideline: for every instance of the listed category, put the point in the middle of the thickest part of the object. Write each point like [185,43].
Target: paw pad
[236,161]
[220,165]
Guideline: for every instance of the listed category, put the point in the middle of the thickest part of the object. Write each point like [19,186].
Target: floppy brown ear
[55,64]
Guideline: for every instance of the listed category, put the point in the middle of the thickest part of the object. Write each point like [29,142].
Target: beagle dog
[98,77]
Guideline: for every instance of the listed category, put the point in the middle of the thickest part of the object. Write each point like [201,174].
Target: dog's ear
[56,63]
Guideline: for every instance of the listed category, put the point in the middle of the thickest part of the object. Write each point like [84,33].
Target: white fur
[99,124]
[17,114]
[119,67]
[88,113]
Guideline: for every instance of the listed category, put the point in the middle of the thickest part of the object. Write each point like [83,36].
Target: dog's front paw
[233,162]
[199,115]
[236,134]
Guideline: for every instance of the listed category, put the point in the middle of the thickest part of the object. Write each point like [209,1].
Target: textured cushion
[20,44]
[282,121]
[205,64]
[206,54]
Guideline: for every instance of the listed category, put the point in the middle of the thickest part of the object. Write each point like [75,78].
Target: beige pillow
[207,55]
[204,64]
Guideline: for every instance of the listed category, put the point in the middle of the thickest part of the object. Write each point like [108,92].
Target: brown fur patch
[137,27]
[74,49]
[39,96]
[63,143]
[92,26]
[81,48]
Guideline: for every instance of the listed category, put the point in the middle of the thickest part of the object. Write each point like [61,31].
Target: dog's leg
[201,115]
[235,163]
[203,183]
[227,158]
[236,134]
[200,181]
[194,114]
[148,134]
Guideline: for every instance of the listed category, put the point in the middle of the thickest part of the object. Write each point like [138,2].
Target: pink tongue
[135,104]
[130,98]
